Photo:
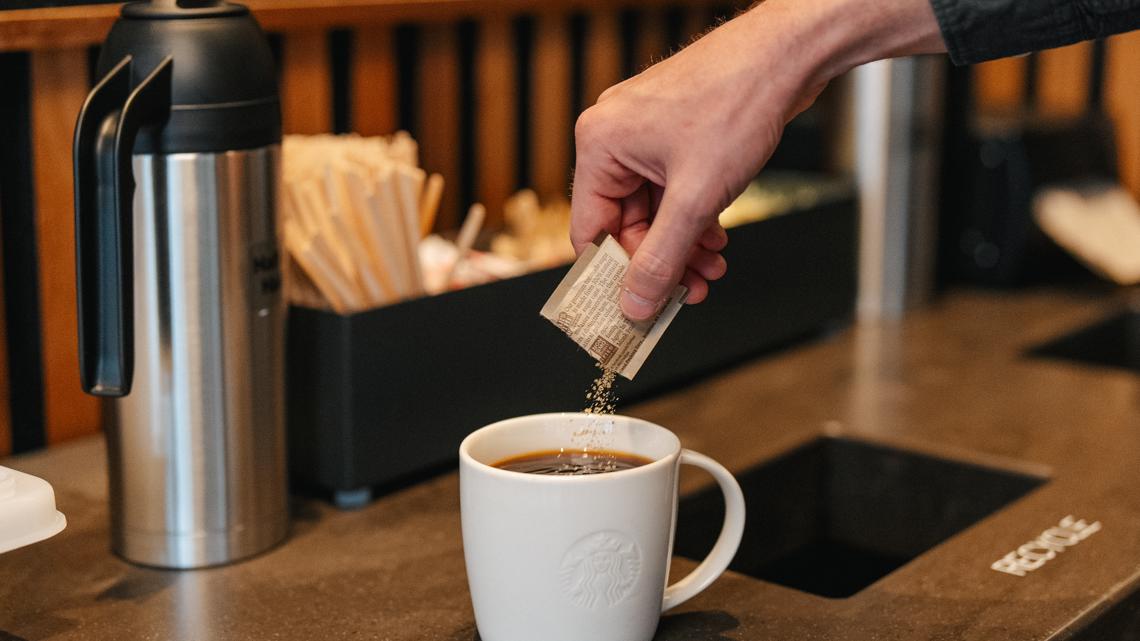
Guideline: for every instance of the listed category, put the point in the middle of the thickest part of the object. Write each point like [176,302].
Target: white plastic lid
[27,510]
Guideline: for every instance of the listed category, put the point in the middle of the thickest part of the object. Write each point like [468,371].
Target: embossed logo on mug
[600,569]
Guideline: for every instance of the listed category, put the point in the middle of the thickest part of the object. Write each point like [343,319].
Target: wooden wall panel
[374,91]
[1123,103]
[59,86]
[306,83]
[85,25]
[1062,83]
[1063,80]
[999,85]
[602,54]
[439,115]
[551,126]
[496,121]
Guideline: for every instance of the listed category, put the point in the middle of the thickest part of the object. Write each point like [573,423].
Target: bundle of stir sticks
[354,210]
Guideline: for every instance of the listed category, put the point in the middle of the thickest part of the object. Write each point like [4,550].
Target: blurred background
[947,161]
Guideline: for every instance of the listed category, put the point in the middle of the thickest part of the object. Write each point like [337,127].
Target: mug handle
[730,534]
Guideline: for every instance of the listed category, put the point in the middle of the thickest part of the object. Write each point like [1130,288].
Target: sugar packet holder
[586,307]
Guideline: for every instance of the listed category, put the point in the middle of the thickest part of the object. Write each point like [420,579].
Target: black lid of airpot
[224,86]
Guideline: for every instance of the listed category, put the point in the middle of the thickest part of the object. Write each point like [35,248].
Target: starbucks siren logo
[600,569]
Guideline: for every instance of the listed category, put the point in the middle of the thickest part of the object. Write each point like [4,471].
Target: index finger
[591,213]
[600,184]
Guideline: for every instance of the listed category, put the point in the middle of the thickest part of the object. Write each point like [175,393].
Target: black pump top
[224,87]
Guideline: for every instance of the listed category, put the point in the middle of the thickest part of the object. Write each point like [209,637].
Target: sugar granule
[597,433]
[600,397]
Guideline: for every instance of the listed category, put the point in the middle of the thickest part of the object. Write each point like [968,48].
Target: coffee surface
[572,462]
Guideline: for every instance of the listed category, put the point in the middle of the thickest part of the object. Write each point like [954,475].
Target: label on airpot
[1053,541]
[265,273]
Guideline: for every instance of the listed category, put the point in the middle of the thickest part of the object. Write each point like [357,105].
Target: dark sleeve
[979,30]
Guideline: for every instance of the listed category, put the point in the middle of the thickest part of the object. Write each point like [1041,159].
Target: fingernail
[636,307]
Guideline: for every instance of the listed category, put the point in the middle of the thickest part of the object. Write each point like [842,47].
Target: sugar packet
[586,306]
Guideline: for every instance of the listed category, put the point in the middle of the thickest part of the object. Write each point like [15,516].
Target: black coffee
[572,462]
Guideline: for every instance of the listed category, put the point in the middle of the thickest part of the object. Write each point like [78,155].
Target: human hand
[663,153]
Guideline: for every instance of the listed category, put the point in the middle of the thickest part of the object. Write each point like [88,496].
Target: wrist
[826,38]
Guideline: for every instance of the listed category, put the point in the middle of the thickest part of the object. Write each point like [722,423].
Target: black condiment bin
[384,396]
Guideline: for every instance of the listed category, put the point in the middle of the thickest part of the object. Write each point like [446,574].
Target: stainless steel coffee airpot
[181,316]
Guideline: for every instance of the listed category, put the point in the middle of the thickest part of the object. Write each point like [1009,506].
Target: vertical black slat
[93,64]
[958,107]
[407,38]
[675,36]
[524,66]
[18,230]
[37,4]
[628,19]
[277,48]
[579,29]
[340,57]
[1097,64]
[467,32]
[1029,100]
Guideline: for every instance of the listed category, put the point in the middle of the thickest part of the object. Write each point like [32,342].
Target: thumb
[659,261]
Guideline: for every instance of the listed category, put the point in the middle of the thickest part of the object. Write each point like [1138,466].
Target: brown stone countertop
[950,378]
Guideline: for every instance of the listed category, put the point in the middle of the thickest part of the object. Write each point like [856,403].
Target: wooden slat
[438,128]
[59,86]
[1123,101]
[85,25]
[496,120]
[551,129]
[1000,84]
[306,83]
[603,54]
[5,390]
[1063,80]
[58,27]
[374,88]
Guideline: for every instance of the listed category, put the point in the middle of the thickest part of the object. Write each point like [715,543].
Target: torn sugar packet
[586,306]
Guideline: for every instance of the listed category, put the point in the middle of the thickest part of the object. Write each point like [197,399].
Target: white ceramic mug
[580,558]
